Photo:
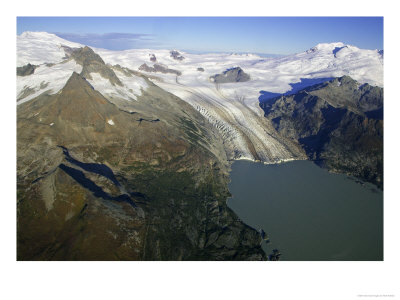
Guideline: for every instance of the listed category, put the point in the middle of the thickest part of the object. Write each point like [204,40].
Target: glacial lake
[307,212]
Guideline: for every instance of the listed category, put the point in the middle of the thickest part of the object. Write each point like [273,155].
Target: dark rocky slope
[339,123]
[96,182]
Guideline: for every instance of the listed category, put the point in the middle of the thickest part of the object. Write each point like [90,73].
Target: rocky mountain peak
[235,74]
[176,55]
[348,93]
[75,83]
[79,103]
[92,63]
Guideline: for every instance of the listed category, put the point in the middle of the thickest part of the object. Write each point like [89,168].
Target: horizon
[257,35]
[191,51]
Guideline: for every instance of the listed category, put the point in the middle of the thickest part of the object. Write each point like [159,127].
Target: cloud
[112,40]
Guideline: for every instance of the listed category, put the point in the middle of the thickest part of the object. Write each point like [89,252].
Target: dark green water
[307,212]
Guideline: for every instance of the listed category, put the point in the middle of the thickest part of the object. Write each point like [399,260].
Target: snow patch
[132,86]
[50,79]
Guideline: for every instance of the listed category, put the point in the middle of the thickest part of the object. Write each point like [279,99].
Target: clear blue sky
[273,35]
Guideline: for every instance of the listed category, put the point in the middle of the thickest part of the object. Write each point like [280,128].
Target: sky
[269,35]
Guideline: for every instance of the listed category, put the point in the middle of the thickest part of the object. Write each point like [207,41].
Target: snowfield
[233,108]
[46,78]
[267,74]
[132,86]
[41,47]
[46,51]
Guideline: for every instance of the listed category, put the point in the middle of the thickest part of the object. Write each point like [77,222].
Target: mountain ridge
[91,189]
[333,123]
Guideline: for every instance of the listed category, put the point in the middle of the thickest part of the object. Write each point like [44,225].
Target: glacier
[233,108]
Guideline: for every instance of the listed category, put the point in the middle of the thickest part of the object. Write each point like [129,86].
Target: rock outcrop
[26,70]
[153,58]
[159,68]
[176,55]
[231,75]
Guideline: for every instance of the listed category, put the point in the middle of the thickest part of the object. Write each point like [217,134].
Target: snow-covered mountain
[233,108]
[51,56]
[41,47]
[267,74]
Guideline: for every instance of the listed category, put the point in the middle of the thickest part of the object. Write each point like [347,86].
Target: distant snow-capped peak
[331,47]
[325,60]
[41,47]
[46,37]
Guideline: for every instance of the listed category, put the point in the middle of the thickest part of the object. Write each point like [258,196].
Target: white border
[204,280]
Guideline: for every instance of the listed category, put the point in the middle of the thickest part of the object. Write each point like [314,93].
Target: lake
[307,212]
